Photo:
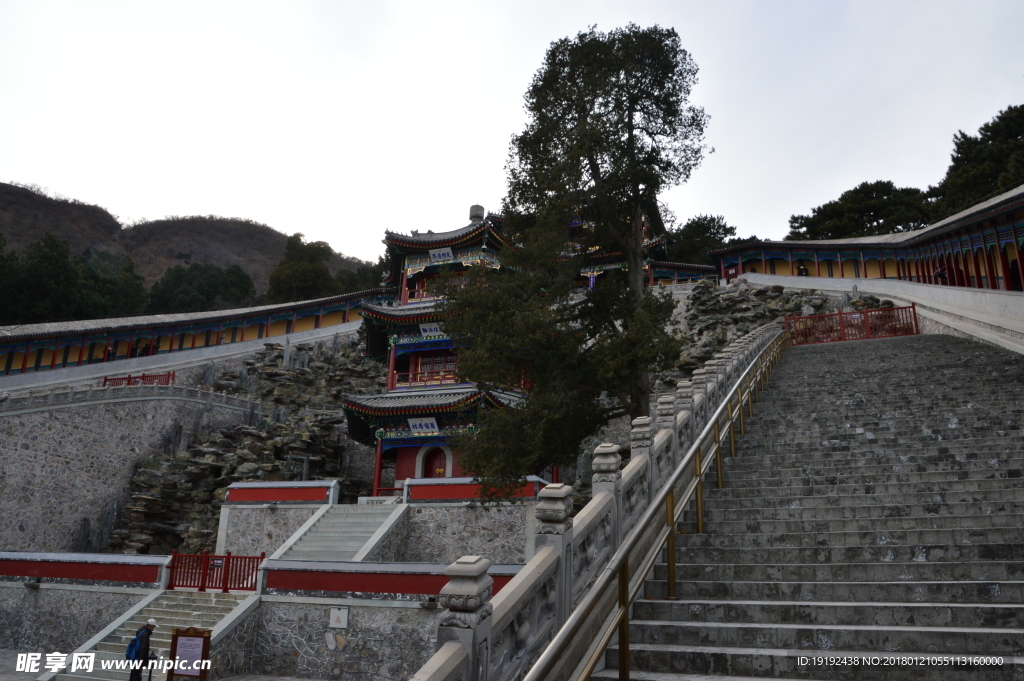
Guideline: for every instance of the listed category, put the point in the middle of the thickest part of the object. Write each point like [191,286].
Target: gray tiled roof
[400,311]
[419,399]
[76,327]
[900,239]
[410,399]
[430,237]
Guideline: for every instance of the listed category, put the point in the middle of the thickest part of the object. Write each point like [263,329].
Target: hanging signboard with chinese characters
[441,255]
[424,425]
[431,329]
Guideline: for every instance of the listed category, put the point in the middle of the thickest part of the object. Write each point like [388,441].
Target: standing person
[940,274]
[143,635]
[802,271]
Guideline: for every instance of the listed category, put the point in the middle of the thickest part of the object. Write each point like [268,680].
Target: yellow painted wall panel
[305,323]
[333,318]
[278,328]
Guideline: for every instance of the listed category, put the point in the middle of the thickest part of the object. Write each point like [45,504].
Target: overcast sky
[343,119]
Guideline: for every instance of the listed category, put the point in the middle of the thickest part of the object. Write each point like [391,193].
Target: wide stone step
[328,556]
[941,640]
[881,457]
[715,500]
[830,513]
[786,458]
[908,477]
[848,572]
[861,592]
[899,523]
[814,488]
[932,553]
[758,662]
[869,468]
[990,535]
[987,615]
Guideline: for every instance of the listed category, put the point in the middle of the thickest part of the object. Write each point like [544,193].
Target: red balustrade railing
[843,326]
[207,571]
[426,378]
[143,379]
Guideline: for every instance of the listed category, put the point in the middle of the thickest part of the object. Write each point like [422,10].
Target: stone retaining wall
[445,533]
[65,474]
[58,617]
[251,530]
[290,637]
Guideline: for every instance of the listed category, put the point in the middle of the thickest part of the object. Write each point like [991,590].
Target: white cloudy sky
[342,119]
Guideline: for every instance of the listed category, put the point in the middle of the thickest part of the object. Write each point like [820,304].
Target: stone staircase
[875,508]
[340,533]
[172,609]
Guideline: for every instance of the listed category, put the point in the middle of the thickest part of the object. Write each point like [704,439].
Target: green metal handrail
[664,510]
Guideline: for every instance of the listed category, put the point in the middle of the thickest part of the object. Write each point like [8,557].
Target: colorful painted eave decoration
[415,243]
[427,316]
[469,401]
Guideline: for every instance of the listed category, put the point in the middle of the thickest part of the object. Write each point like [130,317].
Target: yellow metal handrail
[664,510]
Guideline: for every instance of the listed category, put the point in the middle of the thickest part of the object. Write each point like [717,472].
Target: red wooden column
[24,360]
[1004,263]
[53,359]
[990,270]
[106,348]
[817,265]
[81,351]
[378,466]
[392,358]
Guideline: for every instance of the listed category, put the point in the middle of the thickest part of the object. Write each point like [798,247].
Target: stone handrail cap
[468,566]
[556,490]
[666,399]
[607,448]
[641,421]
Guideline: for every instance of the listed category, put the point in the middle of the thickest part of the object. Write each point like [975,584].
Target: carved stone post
[467,615]
[641,440]
[554,529]
[667,421]
[699,387]
[607,467]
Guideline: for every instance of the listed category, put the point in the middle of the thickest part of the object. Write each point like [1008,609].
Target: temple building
[979,248]
[426,403]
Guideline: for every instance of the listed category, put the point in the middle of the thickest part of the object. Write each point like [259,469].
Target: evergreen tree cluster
[45,283]
[982,166]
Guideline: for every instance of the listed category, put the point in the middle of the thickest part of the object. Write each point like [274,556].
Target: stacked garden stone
[176,497]
[717,315]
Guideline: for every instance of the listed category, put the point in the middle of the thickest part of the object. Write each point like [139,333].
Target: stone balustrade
[34,402]
[499,639]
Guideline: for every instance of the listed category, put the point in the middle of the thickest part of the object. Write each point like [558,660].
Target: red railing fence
[208,571]
[143,379]
[843,326]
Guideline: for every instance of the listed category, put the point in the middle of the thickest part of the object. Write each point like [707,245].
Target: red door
[435,464]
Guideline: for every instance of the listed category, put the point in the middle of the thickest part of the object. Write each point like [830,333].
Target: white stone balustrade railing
[512,629]
[23,404]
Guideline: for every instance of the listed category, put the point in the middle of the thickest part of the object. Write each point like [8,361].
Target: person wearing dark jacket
[144,633]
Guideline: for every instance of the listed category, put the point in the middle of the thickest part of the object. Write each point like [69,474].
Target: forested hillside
[27,213]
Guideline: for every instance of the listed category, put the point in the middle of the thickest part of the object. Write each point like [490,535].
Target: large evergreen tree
[610,128]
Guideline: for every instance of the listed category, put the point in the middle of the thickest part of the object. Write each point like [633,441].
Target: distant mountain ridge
[26,214]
